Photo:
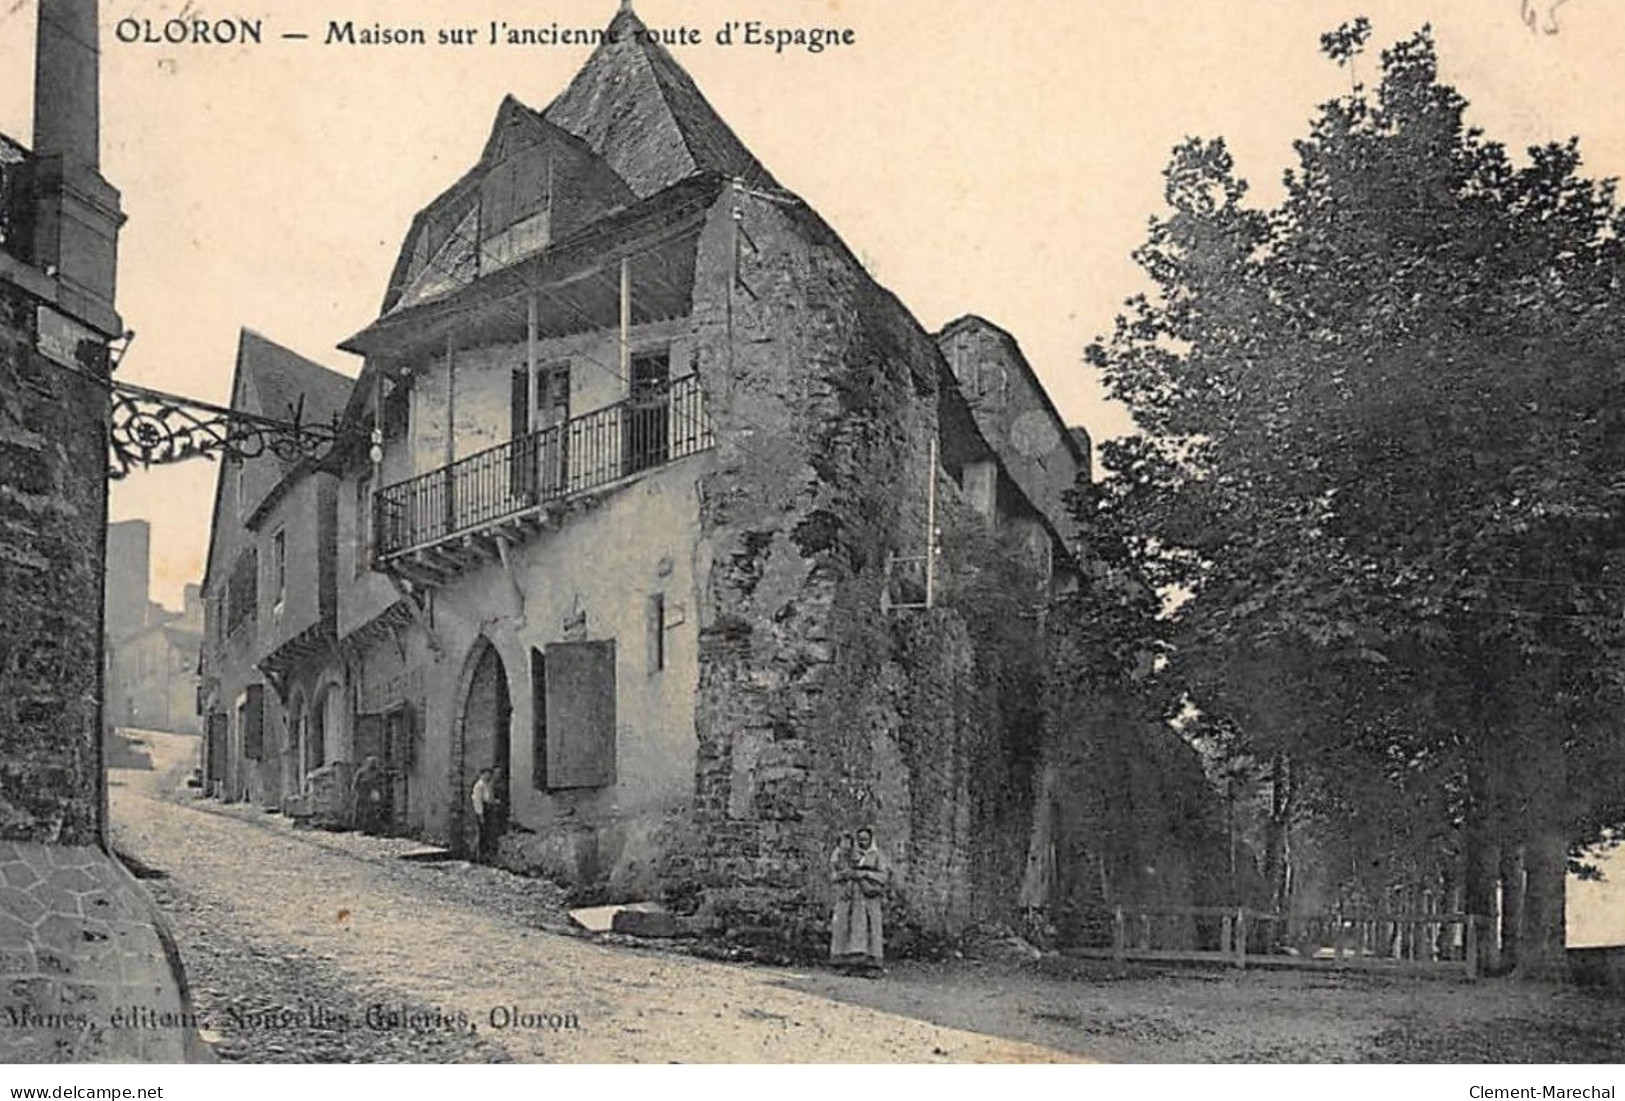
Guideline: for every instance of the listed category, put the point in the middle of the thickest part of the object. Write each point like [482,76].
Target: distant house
[637,504]
[151,652]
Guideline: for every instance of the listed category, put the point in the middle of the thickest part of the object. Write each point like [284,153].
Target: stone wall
[819,710]
[79,942]
[52,532]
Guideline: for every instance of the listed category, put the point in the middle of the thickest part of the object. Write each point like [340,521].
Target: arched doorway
[293,757]
[487,711]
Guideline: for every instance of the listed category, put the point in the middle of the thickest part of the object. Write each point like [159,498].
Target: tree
[1384,455]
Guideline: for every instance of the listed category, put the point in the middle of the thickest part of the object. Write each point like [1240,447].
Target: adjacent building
[152,651]
[269,591]
[653,502]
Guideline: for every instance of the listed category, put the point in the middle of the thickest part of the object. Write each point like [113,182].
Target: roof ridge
[643,52]
[637,107]
[672,71]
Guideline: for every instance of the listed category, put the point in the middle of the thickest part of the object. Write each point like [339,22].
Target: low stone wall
[1604,967]
[328,802]
[89,974]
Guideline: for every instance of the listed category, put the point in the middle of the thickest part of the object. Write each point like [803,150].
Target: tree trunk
[1275,840]
[1482,857]
[1542,951]
[1512,895]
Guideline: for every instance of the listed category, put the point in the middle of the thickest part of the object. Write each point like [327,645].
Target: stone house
[151,651]
[635,504]
[269,591]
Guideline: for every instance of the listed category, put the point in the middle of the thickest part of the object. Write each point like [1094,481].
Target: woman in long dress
[860,872]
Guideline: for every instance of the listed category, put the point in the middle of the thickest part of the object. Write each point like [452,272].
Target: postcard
[810,531]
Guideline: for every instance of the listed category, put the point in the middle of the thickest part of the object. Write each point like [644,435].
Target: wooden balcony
[433,527]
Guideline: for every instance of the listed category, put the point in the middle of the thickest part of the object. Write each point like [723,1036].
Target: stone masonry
[79,944]
[819,710]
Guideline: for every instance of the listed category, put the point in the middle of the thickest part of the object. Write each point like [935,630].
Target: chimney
[67,84]
[76,212]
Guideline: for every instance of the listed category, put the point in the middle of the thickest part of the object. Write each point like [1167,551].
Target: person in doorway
[367,795]
[861,874]
[484,800]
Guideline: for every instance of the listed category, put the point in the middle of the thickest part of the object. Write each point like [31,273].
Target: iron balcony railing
[657,426]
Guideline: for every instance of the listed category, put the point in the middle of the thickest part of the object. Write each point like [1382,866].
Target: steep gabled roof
[270,380]
[1068,433]
[443,247]
[284,380]
[635,106]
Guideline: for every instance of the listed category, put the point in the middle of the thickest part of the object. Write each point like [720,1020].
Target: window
[242,592]
[251,722]
[397,416]
[573,733]
[241,490]
[646,439]
[552,394]
[279,566]
[656,616]
[514,203]
[549,417]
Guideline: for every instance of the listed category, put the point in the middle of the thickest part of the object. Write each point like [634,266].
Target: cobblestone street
[299,943]
[270,920]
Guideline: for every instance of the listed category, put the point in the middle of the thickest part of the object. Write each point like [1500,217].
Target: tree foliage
[1383,458]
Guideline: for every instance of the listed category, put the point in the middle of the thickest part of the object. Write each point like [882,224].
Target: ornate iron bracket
[151,428]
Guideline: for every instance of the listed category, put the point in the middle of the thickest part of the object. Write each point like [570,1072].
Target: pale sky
[995,158]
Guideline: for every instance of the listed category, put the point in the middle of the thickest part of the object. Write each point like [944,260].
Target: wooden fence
[1242,937]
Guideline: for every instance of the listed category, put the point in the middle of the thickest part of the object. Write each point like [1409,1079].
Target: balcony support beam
[444,559]
[480,545]
[417,571]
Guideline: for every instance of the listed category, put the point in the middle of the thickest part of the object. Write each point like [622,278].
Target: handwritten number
[1531,12]
[1551,16]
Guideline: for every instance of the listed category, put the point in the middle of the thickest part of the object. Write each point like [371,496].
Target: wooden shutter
[519,402]
[215,749]
[402,740]
[538,720]
[522,461]
[580,741]
[369,737]
[254,723]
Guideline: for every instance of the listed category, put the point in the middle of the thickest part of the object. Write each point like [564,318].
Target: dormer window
[515,203]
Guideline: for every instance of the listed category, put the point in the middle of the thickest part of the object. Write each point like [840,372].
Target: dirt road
[536,996]
[459,963]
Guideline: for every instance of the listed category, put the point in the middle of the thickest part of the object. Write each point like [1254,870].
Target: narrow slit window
[657,632]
